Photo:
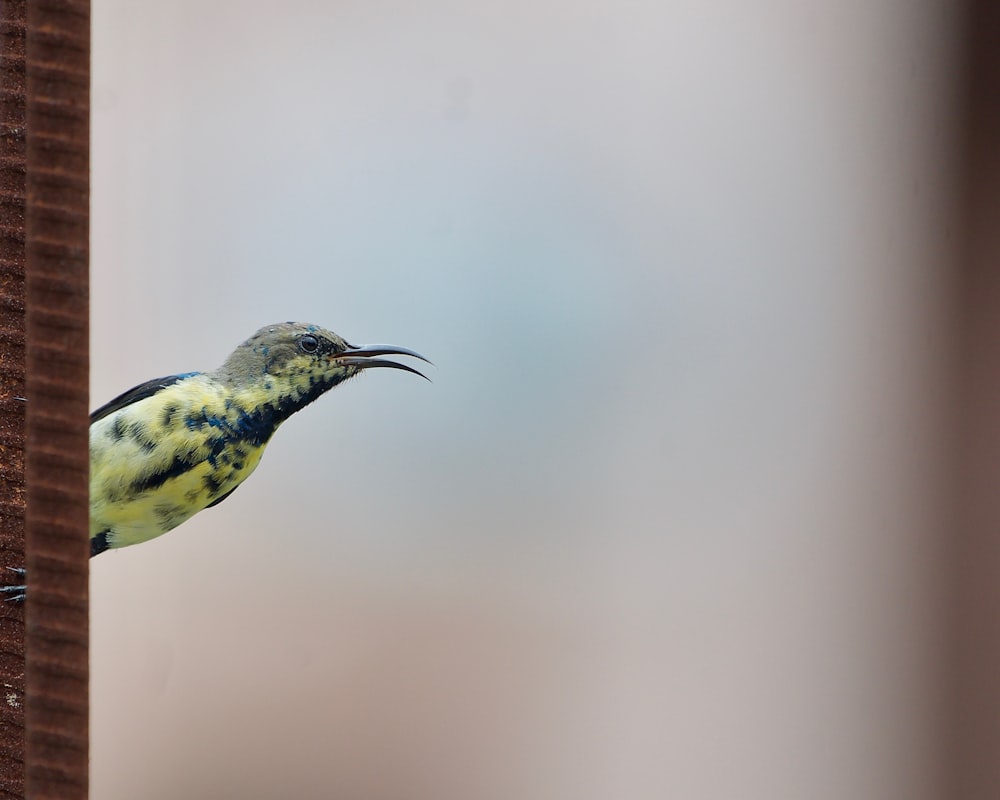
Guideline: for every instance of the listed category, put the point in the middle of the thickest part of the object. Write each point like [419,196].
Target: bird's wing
[137,393]
[222,497]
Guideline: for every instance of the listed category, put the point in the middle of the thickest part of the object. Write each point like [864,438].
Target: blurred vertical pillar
[976,678]
[12,191]
[57,357]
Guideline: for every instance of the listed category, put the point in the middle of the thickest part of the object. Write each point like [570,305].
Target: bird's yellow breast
[157,462]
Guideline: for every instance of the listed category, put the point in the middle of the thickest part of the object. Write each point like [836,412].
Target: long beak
[361,357]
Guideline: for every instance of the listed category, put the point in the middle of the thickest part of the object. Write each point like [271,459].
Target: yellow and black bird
[171,447]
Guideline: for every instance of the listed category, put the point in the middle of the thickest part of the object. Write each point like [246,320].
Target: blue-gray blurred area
[667,521]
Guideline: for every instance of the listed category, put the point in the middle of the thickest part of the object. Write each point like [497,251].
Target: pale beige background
[665,525]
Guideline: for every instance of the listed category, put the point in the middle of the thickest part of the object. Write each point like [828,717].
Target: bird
[171,447]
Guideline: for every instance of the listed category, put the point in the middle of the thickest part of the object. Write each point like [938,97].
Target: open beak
[362,357]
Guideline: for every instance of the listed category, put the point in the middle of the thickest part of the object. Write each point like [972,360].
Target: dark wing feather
[137,393]
[219,499]
[99,543]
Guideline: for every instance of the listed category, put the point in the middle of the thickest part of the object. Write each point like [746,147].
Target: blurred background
[669,521]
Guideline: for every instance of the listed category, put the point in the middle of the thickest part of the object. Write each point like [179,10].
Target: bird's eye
[308,344]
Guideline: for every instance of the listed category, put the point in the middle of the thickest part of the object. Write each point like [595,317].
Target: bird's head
[303,359]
